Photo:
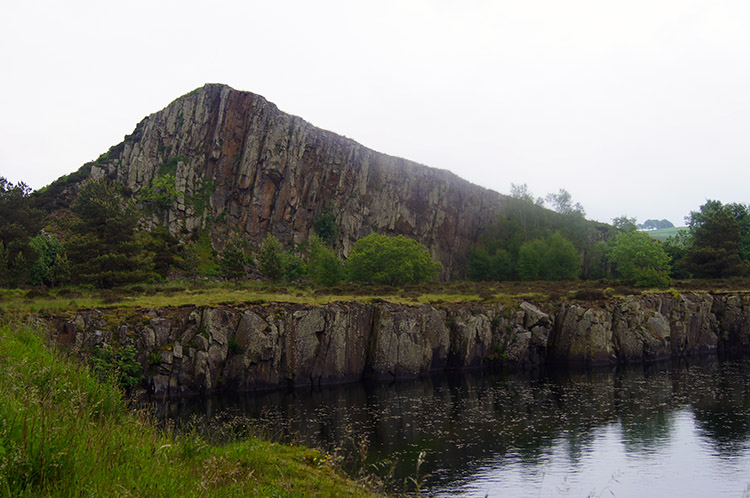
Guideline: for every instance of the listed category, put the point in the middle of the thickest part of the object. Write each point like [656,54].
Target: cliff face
[200,350]
[240,163]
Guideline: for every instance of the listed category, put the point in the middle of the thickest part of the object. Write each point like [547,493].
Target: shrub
[639,257]
[550,258]
[324,266]
[391,261]
[119,364]
[270,259]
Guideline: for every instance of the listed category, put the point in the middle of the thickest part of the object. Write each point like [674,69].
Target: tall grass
[62,433]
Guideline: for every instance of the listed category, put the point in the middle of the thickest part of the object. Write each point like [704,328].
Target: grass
[185,293]
[64,434]
[664,233]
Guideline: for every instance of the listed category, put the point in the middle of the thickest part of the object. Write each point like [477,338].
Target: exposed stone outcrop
[201,350]
[240,163]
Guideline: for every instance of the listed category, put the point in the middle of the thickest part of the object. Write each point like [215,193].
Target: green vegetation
[391,261]
[638,257]
[664,233]
[528,242]
[551,258]
[63,433]
[233,260]
[325,226]
[19,221]
[270,260]
[103,249]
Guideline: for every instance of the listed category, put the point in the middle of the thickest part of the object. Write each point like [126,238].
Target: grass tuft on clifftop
[63,434]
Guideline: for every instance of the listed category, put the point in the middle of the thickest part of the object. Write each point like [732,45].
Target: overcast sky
[635,107]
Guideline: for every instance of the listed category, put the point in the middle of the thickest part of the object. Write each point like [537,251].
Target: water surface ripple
[674,429]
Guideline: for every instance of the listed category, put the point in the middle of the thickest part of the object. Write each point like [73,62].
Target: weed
[235,347]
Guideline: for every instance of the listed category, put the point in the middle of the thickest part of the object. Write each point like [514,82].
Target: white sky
[635,107]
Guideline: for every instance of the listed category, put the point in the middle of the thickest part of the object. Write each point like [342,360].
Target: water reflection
[676,428]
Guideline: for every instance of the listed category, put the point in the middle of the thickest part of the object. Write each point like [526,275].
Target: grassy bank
[63,434]
[185,293]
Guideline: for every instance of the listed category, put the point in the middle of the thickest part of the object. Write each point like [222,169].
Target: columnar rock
[203,350]
[240,163]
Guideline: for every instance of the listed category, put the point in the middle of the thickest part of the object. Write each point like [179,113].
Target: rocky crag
[190,350]
[237,162]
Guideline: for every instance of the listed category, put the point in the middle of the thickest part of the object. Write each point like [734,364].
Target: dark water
[664,430]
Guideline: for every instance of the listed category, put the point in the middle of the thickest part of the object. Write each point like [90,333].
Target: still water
[662,430]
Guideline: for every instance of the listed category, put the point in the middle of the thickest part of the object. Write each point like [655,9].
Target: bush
[639,257]
[324,266]
[390,260]
[270,259]
[119,364]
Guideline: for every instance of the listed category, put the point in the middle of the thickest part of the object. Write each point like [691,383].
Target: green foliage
[19,221]
[522,220]
[49,253]
[390,260]
[119,365]
[270,259]
[484,266]
[717,240]
[324,267]
[639,257]
[233,260]
[234,347]
[676,247]
[103,249]
[625,224]
[325,226]
[550,258]
[597,264]
[161,248]
[294,267]
[562,202]
[162,193]
[199,257]
[202,195]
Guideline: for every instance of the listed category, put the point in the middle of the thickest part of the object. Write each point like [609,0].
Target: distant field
[663,233]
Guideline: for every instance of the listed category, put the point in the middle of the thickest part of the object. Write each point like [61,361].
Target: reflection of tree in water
[467,422]
[721,407]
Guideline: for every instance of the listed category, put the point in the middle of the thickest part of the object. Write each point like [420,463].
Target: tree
[103,249]
[624,224]
[550,258]
[490,267]
[270,260]
[390,260]
[233,260]
[325,226]
[48,250]
[324,267]
[562,202]
[19,221]
[639,257]
[716,242]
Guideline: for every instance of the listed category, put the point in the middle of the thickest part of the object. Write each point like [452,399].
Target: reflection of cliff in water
[466,421]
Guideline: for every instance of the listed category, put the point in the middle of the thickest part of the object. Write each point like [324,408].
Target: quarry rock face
[193,350]
[239,163]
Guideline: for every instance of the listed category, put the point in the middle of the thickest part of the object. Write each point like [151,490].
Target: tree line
[528,242]
[98,242]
